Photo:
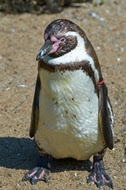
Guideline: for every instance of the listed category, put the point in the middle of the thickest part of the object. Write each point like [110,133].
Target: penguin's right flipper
[35,109]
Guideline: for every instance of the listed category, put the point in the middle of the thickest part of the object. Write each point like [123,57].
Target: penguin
[72,116]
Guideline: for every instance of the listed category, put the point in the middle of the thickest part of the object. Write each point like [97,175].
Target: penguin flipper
[106,118]
[35,109]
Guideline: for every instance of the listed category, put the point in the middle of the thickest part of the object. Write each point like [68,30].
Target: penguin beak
[45,50]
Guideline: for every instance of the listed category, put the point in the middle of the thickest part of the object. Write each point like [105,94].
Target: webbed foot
[99,175]
[39,173]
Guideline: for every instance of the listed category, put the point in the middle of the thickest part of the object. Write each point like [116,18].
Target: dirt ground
[21,36]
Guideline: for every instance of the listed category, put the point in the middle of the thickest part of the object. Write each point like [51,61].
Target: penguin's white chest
[68,116]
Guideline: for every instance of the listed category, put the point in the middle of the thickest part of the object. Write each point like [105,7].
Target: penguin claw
[37,174]
[30,174]
[99,175]
[100,178]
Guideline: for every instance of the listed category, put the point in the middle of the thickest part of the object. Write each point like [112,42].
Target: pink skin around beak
[55,45]
[51,45]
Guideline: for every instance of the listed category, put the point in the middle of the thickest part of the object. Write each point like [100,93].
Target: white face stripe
[78,54]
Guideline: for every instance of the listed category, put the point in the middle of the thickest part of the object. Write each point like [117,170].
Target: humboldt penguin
[72,115]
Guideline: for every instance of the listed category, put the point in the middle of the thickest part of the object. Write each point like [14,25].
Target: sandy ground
[21,36]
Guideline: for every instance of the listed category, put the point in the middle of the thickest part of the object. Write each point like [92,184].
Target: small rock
[115,177]
[124,160]
[81,183]
[107,11]
[8,88]
[21,85]
[75,174]
[121,48]
[118,59]
[18,185]
[12,30]
[98,47]
[115,102]
[96,16]
[85,20]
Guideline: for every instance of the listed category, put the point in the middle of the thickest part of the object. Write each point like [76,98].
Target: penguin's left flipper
[106,122]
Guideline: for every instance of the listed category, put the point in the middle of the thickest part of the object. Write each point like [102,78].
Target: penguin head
[61,36]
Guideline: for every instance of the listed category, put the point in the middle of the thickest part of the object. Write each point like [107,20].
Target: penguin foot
[99,175]
[39,173]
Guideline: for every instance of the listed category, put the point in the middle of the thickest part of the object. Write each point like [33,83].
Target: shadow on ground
[17,153]
[21,153]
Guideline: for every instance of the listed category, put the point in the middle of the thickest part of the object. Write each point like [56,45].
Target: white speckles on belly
[68,118]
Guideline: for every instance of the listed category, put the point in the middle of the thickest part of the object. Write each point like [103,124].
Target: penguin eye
[62,39]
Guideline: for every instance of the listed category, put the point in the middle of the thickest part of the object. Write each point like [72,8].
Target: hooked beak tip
[45,50]
[39,56]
